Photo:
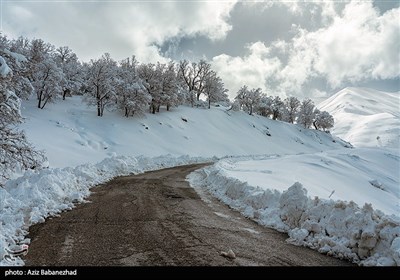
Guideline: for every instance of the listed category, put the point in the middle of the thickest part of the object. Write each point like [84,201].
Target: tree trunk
[45,102]
[126,112]
[167,107]
[198,96]
[153,109]
[158,108]
[251,110]
[66,91]
[209,103]
[102,108]
[98,108]
[40,99]
[315,125]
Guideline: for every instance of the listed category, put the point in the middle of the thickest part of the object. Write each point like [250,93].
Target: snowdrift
[335,227]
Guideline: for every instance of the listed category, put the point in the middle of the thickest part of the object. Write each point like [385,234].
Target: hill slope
[365,117]
[72,134]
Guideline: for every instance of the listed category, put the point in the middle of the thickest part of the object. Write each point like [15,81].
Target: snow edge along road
[338,228]
[33,197]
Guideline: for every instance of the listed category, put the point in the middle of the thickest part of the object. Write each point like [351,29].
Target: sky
[306,49]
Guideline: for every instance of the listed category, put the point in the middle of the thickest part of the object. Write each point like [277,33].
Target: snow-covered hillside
[365,175]
[326,201]
[72,134]
[365,117]
[262,159]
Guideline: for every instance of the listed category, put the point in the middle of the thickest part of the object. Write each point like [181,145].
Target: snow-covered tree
[264,106]
[215,89]
[47,81]
[44,74]
[323,120]
[169,87]
[290,112]
[248,98]
[151,79]
[131,94]
[15,151]
[39,51]
[101,77]
[306,113]
[194,76]
[67,60]
[277,108]
[22,87]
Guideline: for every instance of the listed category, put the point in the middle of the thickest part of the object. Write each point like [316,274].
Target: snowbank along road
[156,218]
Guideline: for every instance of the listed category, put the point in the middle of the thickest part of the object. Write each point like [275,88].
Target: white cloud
[120,28]
[357,45]
[252,70]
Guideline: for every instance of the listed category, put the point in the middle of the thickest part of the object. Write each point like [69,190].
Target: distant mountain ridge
[365,117]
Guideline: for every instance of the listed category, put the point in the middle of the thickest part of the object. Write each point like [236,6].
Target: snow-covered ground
[365,117]
[72,134]
[364,175]
[74,139]
[85,150]
[327,201]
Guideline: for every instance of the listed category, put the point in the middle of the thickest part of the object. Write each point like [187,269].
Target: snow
[31,198]
[17,57]
[365,117]
[324,201]
[365,175]
[271,171]
[4,69]
[72,134]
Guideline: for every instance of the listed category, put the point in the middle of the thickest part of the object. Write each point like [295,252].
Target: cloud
[356,44]
[359,45]
[121,27]
[253,69]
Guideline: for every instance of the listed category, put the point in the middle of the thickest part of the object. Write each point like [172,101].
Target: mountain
[72,134]
[365,117]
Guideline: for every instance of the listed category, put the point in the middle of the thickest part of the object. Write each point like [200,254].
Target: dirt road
[156,218]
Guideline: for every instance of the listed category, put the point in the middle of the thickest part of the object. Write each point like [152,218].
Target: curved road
[156,218]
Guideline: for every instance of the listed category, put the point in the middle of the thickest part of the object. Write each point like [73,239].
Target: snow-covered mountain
[72,134]
[365,117]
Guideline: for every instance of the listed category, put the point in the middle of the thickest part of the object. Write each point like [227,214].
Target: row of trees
[126,85]
[134,87]
[290,110]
